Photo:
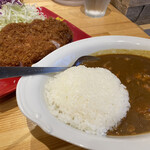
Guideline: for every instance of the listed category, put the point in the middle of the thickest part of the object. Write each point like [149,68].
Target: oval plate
[30,94]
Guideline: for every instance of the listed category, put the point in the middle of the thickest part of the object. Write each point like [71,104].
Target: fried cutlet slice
[26,43]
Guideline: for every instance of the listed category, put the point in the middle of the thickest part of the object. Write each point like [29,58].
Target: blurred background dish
[70,2]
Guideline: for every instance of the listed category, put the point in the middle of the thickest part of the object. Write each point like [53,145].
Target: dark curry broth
[134,73]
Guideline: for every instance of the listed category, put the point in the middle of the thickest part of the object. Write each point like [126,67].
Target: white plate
[31,101]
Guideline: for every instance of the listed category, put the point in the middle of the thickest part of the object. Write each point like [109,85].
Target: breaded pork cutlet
[26,43]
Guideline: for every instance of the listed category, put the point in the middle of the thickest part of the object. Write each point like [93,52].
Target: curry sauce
[134,73]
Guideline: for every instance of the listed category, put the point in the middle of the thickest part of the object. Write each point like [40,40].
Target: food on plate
[22,44]
[19,2]
[26,35]
[90,99]
[15,12]
[134,72]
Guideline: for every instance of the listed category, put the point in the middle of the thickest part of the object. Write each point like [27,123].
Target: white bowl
[30,94]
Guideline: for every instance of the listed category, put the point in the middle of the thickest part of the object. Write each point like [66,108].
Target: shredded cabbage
[14,13]
[2,2]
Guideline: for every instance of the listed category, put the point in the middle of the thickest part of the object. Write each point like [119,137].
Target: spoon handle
[7,72]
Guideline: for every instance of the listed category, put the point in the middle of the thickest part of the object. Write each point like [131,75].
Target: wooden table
[19,133]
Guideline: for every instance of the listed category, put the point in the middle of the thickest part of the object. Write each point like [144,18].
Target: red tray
[8,85]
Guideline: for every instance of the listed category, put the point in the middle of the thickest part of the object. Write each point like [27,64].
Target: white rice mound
[90,99]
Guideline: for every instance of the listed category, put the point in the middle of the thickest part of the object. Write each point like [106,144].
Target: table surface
[16,131]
